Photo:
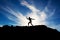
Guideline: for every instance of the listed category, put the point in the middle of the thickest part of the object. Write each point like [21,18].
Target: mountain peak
[36,28]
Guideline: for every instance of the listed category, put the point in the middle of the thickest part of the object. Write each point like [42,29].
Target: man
[30,21]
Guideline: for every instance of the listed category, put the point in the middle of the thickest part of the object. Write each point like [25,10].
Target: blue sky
[46,12]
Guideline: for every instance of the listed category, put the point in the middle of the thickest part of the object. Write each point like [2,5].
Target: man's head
[29,17]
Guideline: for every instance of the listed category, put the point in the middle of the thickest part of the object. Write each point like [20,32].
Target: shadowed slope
[37,28]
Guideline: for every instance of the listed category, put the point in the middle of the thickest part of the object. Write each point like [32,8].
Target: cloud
[36,14]
[16,16]
[58,27]
[31,7]
[50,13]
[20,19]
[39,16]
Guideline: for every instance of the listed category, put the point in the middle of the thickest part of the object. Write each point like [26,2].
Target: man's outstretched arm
[32,19]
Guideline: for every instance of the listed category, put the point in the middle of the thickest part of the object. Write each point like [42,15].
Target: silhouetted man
[30,21]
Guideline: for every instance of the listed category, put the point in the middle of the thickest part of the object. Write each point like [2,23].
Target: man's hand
[27,18]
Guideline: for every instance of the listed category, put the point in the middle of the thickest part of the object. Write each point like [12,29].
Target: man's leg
[28,23]
[31,24]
